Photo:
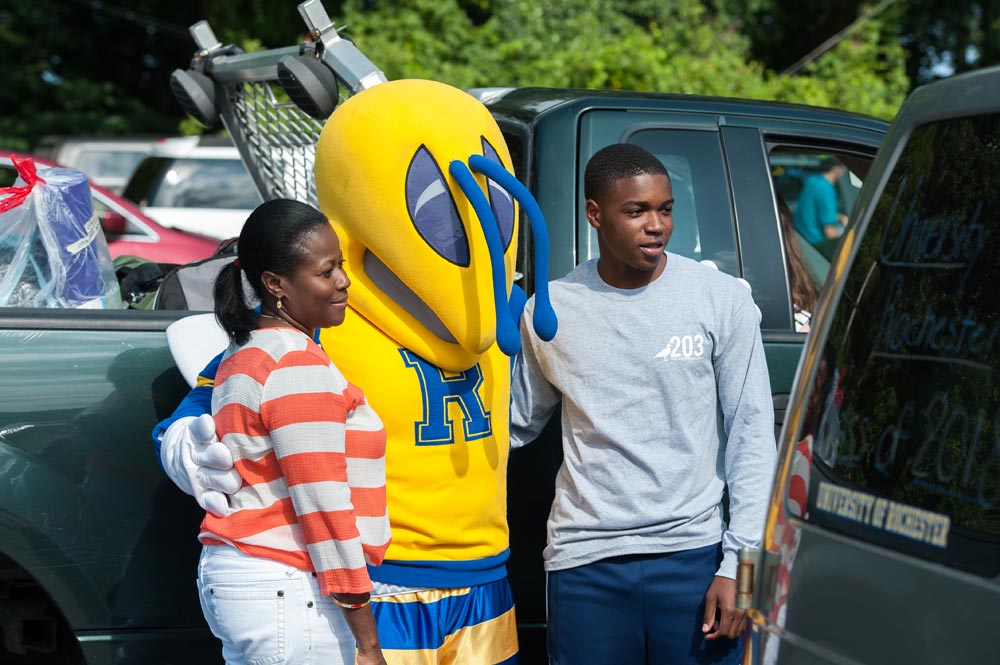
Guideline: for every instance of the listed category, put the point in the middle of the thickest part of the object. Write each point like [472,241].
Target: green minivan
[882,542]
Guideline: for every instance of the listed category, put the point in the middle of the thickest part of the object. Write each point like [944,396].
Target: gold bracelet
[350,606]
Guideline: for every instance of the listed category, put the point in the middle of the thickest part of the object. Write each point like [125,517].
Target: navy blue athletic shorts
[636,609]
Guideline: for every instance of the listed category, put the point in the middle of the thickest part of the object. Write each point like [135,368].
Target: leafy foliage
[111,75]
[645,45]
[865,73]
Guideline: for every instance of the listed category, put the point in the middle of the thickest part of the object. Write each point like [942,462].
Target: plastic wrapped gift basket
[52,250]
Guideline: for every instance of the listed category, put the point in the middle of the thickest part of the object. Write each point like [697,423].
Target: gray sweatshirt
[665,401]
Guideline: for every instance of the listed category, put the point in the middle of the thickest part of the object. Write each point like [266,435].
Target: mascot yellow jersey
[425,301]
[446,457]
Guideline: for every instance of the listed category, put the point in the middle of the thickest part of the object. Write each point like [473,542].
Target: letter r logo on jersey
[438,392]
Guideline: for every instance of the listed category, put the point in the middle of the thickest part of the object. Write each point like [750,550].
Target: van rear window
[905,414]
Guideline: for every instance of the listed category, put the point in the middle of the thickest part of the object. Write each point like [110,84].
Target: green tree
[939,38]
[643,45]
[430,39]
[78,66]
[103,68]
[59,78]
[864,73]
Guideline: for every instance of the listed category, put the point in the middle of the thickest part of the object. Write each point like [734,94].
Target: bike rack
[274,103]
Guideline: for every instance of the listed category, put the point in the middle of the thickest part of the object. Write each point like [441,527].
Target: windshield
[109,163]
[193,183]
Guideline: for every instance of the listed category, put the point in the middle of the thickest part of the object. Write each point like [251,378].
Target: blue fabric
[815,208]
[417,625]
[441,574]
[635,609]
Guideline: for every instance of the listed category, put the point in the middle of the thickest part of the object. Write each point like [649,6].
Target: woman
[805,293]
[283,576]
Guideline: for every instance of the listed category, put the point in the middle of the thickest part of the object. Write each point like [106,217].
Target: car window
[792,167]
[703,220]
[205,183]
[108,163]
[798,173]
[131,228]
[904,412]
[810,184]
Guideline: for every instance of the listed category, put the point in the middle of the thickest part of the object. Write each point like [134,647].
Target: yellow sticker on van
[884,514]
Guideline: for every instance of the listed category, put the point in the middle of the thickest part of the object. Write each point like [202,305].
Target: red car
[126,228]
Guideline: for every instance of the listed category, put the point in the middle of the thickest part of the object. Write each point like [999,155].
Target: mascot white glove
[711,264]
[199,464]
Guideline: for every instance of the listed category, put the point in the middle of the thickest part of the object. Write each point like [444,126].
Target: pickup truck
[98,549]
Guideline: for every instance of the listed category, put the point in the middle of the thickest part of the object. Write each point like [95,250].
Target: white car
[108,161]
[195,185]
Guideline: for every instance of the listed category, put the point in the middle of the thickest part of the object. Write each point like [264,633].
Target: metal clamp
[745,572]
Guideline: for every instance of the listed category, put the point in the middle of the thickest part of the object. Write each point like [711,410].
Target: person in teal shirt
[816,215]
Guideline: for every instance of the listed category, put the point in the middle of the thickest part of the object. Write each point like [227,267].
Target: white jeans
[267,612]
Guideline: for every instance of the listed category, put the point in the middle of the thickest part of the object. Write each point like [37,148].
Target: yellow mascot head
[416,250]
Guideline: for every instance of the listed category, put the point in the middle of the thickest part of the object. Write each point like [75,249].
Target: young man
[816,214]
[665,402]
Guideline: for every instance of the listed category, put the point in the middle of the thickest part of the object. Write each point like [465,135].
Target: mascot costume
[417,180]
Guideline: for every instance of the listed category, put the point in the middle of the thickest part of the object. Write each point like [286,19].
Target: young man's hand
[722,618]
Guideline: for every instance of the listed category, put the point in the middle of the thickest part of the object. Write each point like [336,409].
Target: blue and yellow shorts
[448,626]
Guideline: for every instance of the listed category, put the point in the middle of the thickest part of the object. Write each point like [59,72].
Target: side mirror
[113,223]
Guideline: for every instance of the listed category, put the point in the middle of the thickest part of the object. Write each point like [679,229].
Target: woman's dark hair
[269,242]
[805,291]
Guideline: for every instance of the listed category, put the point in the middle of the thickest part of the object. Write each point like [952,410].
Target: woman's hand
[361,621]
[371,657]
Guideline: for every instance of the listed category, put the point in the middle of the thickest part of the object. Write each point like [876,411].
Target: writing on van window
[913,241]
[884,514]
[952,240]
[957,336]
[947,449]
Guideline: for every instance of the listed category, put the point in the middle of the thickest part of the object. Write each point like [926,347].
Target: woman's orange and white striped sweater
[311,453]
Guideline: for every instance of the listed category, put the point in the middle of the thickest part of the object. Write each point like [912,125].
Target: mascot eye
[500,199]
[433,210]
